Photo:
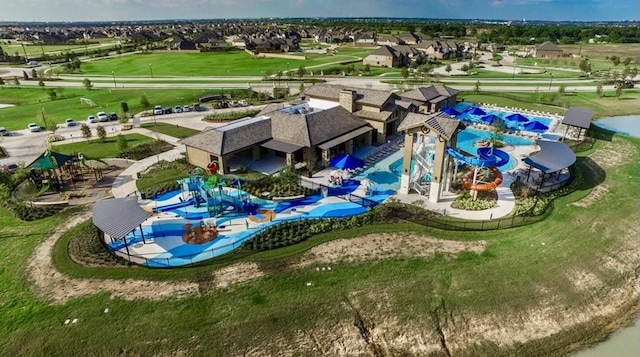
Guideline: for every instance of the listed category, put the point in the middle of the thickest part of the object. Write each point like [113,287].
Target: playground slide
[487,157]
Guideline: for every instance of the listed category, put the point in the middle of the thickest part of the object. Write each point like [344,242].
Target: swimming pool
[464,115]
[467,138]
[386,172]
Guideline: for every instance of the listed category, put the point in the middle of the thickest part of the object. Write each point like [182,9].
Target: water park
[438,156]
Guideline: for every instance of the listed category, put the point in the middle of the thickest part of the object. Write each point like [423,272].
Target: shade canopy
[50,160]
[553,156]
[489,119]
[517,117]
[346,162]
[477,111]
[118,216]
[536,126]
[451,111]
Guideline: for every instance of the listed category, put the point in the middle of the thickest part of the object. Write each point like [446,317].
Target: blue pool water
[462,107]
[384,173]
[467,137]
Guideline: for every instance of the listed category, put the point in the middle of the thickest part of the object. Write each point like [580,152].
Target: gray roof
[439,122]
[364,96]
[119,216]
[548,46]
[312,128]
[272,107]
[579,117]
[382,116]
[384,51]
[553,156]
[342,138]
[232,137]
[281,146]
[425,94]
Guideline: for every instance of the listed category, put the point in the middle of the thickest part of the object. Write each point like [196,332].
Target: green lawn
[98,149]
[605,106]
[30,101]
[235,63]
[36,50]
[489,74]
[170,129]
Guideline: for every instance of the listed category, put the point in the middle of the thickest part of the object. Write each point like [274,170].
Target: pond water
[624,343]
[628,124]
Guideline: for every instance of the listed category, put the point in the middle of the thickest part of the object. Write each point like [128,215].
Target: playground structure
[488,157]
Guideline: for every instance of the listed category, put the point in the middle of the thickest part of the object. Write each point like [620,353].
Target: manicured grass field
[520,268]
[169,129]
[36,50]
[234,63]
[596,53]
[605,106]
[30,101]
[98,149]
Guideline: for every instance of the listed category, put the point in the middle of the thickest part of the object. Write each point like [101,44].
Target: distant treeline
[518,33]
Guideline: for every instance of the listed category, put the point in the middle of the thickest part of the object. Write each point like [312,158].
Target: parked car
[91,119]
[33,127]
[3,131]
[70,122]
[157,110]
[102,116]
[168,110]
[196,107]
[177,109]
[113,116]
[186,109]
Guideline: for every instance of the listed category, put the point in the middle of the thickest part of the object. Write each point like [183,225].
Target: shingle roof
[548,46]
[382,116]
[364,96]
[425,94]
[439,122]
[272,107]
[384,51]
[232,137]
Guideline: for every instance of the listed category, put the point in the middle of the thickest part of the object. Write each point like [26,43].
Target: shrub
[145,150]
[232,115]
[54,138]
[31,213]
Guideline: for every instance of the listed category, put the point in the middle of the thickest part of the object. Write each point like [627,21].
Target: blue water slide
[487,157]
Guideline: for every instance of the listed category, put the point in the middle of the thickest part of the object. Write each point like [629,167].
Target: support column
[289,158]
[367,138]
[406,164]
[255,153]
[325,157]
[438,166]
[349,148]
[222,167]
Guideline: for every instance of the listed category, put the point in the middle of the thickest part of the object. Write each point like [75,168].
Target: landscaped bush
[54,138]
[85,248]
[537,204]
[276,188]
[466,202]
[145,150]
[232,115]
[31,213]
[161,188]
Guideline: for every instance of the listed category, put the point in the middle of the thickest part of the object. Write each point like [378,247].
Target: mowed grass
[95,148]
[170,129]
[596,53]
[30,101]
[520,267]
[36,50]
[605,106]
[233,63]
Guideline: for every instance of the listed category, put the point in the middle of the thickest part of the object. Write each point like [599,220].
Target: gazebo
[553,157]
[577,120]
[117,218]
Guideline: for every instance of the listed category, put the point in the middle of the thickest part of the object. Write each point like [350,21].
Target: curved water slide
[487,157]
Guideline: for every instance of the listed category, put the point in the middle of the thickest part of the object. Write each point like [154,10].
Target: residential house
[384,56]
[388,40]
[432,99]
[179,43]
[547,50]
[409,38]
[364,40]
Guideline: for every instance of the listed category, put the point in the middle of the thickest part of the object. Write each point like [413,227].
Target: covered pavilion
[553,157]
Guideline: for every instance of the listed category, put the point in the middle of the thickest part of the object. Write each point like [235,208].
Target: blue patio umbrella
[489,119]
[517,117]
[477,111]
[451,111]
[536,126]
[346,162]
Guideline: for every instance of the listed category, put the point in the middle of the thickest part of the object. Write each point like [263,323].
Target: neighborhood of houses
[397,50]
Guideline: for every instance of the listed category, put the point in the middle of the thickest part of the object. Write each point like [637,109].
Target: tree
[301,88]
[585,66]
[599,90]
[562,88]
[405,73]
[25,75]
[86,131]
[101,132]
[301,71]
[615,60]
[448,68]
[125,108]
[1,81]
[465,67]
[16,81]
[41,83]
[121,142]
[52,94]
[87,84]
[476,87]
[145,102]
[619,92]
[367,69]
[626,61]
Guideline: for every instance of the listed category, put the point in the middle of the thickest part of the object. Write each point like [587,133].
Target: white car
[177,109]
[186,109]
[102,116]
[157,110]
[91,119]
[33,127]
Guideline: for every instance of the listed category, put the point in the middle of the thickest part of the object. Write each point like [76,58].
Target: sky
[115,10]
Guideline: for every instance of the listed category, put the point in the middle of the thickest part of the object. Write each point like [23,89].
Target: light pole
[151,70]
[113,74]
[550,81]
